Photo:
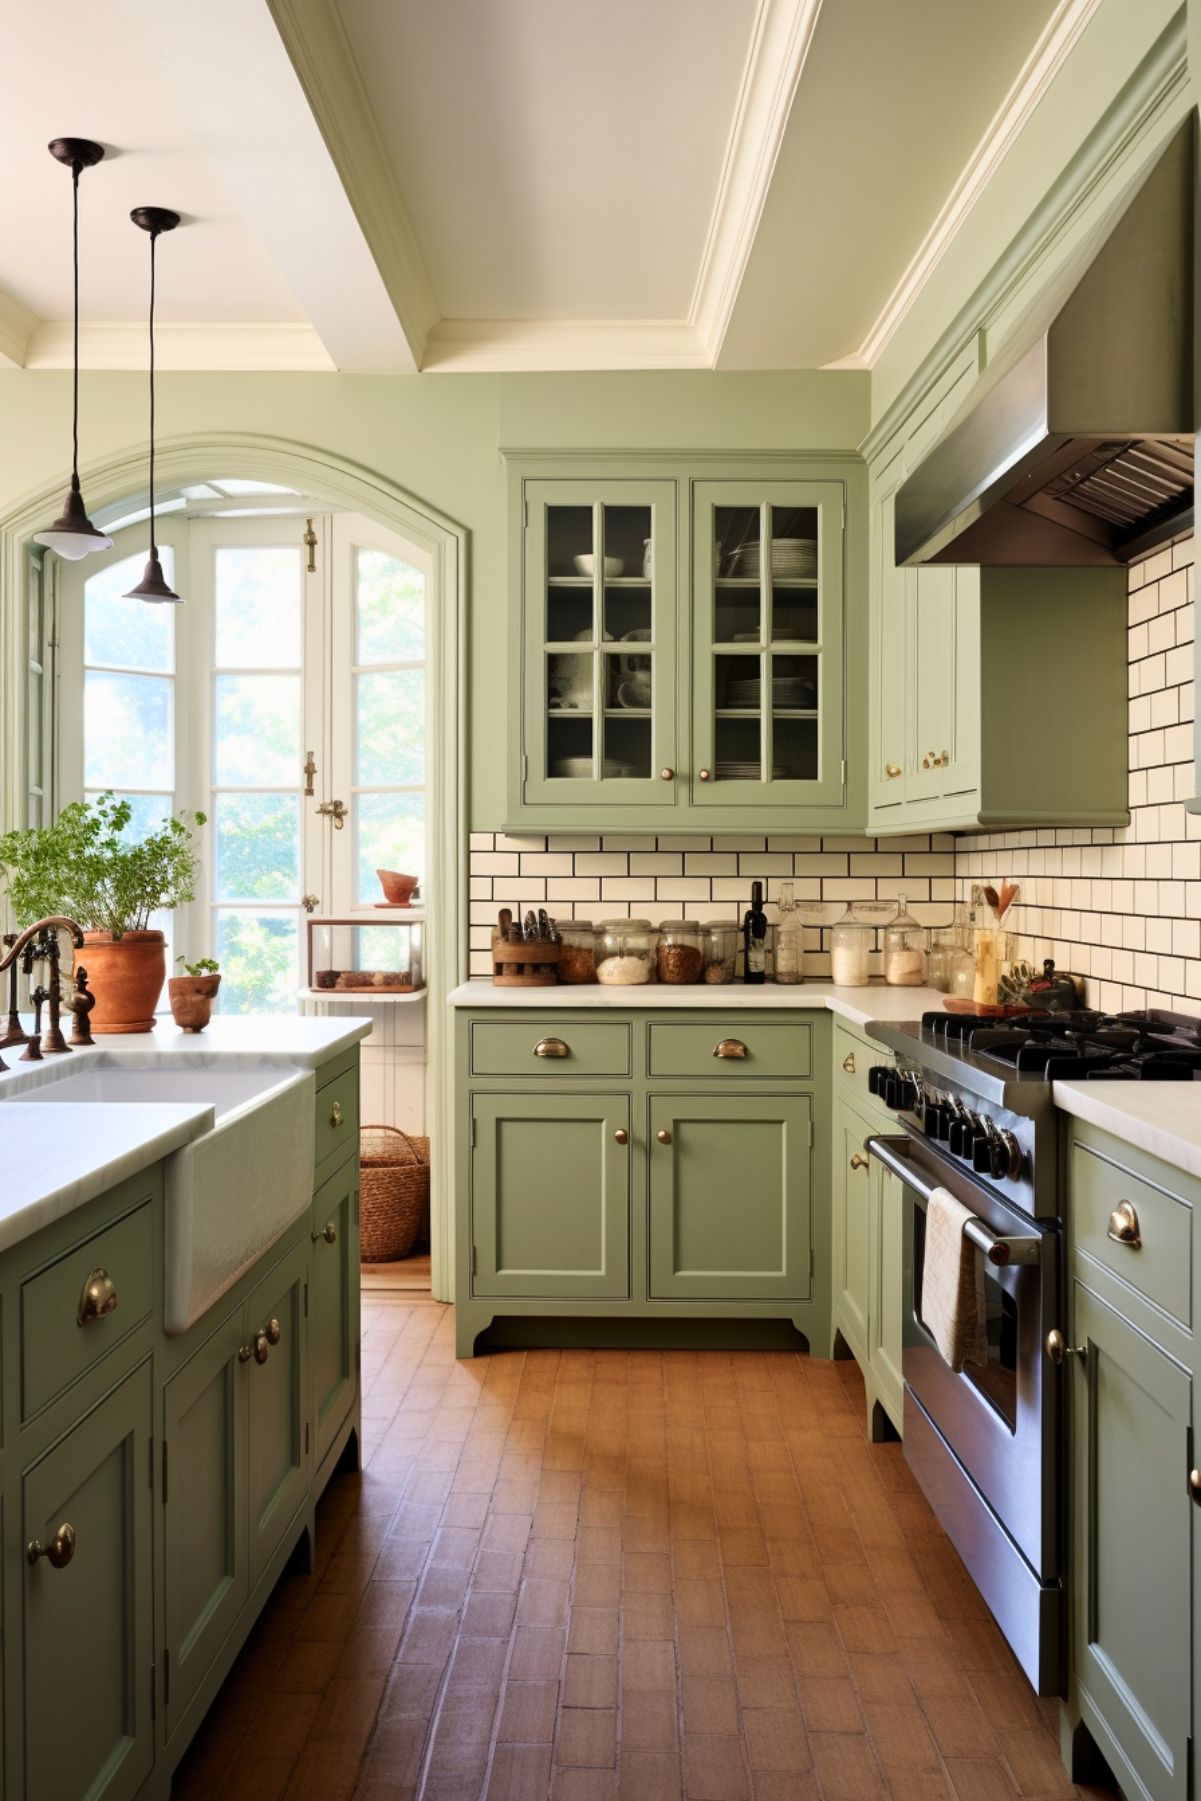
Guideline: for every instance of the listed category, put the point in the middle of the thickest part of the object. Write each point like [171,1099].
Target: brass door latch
[335,810]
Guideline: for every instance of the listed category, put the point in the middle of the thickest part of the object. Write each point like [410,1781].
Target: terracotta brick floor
[597,1575]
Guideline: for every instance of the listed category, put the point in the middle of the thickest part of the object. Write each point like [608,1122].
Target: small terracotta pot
[126,975]
[192,1000]
[398,889]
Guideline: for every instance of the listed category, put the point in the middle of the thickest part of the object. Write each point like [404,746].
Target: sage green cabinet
[851,1230]
[205,1526]
[333,1305]
[278,1433]
[1132,1530]
[730,1196]
[890,1252]
[550,1195]
[84,1661]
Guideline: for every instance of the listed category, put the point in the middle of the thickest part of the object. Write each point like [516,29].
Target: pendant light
[153,585]
[73,535]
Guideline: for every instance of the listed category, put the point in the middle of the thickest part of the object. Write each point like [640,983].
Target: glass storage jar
[904,948]
[850,950]
[678,956]
[625,952]
[577,962]
[790,941]
[719,948]
[944,942]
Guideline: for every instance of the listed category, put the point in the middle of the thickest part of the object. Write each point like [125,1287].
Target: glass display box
[367,956]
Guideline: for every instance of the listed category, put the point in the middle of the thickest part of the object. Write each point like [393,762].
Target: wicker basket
[394,1192]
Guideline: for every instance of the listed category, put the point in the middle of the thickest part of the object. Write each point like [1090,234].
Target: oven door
[983,1442]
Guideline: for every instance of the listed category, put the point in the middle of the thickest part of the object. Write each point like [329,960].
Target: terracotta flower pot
[398,889]
[192,1000]
[126,975]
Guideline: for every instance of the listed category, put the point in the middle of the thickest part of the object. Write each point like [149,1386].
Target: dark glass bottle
[754,938]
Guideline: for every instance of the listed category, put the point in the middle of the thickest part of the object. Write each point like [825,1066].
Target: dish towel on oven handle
[952,1297]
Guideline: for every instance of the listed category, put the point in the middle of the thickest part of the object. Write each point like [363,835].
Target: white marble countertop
[57,1156]
[858,1005]
[1162,1118]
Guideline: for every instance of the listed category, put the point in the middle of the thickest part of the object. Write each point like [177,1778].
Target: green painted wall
[439,437]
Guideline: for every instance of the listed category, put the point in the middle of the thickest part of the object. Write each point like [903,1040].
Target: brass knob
[1058,1347]
[730,1047]
[245,1353]
[892,771]
[621,1135]
[1194,1486]
[261,1347]
[858,1162]
[1123,1226]
[336,1115]
[663,1137]
[58,1553]
[667,775]
[848,1063]
[98,1297]
[706,775]
[944,757]
[274,1331]
[551,1047]
[925,762]
[329,1233]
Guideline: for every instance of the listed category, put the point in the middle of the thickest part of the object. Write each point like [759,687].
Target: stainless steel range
[975,1100]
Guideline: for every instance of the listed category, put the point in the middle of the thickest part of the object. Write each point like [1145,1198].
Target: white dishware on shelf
[586,565]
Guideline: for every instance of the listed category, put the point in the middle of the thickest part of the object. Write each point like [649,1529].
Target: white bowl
[586,565]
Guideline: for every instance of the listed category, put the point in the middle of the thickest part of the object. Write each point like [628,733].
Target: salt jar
[850,951]
[625,952]
[904,949]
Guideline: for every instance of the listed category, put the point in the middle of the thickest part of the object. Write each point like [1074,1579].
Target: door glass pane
[256,730]
[391,609]
[736,566]
[258,957]
[147,812]
[391,835]
[258,847]
[128,633]
[390,710]
[128,731]
[627,539]
[258,588]
[793,573]
[569,546]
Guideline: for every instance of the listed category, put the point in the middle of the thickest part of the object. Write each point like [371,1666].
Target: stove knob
[1011,1158]
[938,1119]
[982,1154]
[877,1075]
[894,1092]
[956,1132]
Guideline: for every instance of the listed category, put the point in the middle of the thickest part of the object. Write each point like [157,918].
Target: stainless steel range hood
[1079,448]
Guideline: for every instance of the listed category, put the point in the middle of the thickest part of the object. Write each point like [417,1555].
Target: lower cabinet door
[730,1197]
[87,1653]
[550,1195]
[204,1510]
[334,1304]
[890,1253]
[850,1183]
[278,1457]
[1131,1533]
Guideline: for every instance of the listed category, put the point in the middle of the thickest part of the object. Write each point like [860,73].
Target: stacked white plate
[792,559]
[786,691]
[748,771]
[579,769]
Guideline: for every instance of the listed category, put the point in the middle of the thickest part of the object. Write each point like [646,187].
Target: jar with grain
[577,961]
[719,950]
[904,948]
[850,951]
[679,957]
[625,952]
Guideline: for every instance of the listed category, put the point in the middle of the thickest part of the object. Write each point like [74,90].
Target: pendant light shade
[153,585]
[73,535]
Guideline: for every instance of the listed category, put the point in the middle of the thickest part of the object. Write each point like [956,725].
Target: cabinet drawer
[853,1057]
[1160,1266]
[535,1047]
[771,1049]
[337,1118]
[55,1348]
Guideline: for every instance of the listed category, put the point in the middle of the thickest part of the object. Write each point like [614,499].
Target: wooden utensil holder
[526,964]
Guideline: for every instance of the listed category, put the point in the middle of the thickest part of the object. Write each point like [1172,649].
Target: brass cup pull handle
[551,1047]
[858,1162]
[892,771]
[97,1297]
[730,1047]
[1194,1486]
[664,1137]
[58,1553]
[848,1063]
[706,775]
[336,1115]
[329,1232]
[621,1136]
[1058,1348]
[1123,1226]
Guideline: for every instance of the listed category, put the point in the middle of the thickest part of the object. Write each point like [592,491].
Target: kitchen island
[158,1472]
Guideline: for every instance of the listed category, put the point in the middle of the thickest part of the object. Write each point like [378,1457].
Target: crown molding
[479,346]
[780,39]
[320,52]
[1048,56]
[180,346]
[16,328]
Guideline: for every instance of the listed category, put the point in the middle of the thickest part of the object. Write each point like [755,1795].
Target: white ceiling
[459,184]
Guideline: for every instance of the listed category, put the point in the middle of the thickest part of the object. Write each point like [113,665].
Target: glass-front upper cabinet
[767,644]
[599,643]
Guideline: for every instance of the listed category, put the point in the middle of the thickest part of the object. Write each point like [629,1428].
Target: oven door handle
[895,1155]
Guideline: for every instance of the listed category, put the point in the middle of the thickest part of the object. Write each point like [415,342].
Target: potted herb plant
[193,993]
[89,867]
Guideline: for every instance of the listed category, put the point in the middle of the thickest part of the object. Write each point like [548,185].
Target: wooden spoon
[1009,893]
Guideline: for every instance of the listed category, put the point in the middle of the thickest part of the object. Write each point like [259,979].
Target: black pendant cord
[75,172]
[153,545]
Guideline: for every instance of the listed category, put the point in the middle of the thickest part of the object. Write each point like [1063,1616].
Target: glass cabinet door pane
[737,608]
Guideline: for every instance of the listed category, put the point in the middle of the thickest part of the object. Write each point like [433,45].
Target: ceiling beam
[233,82]
[178,344]
[16,328]
[780,39]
